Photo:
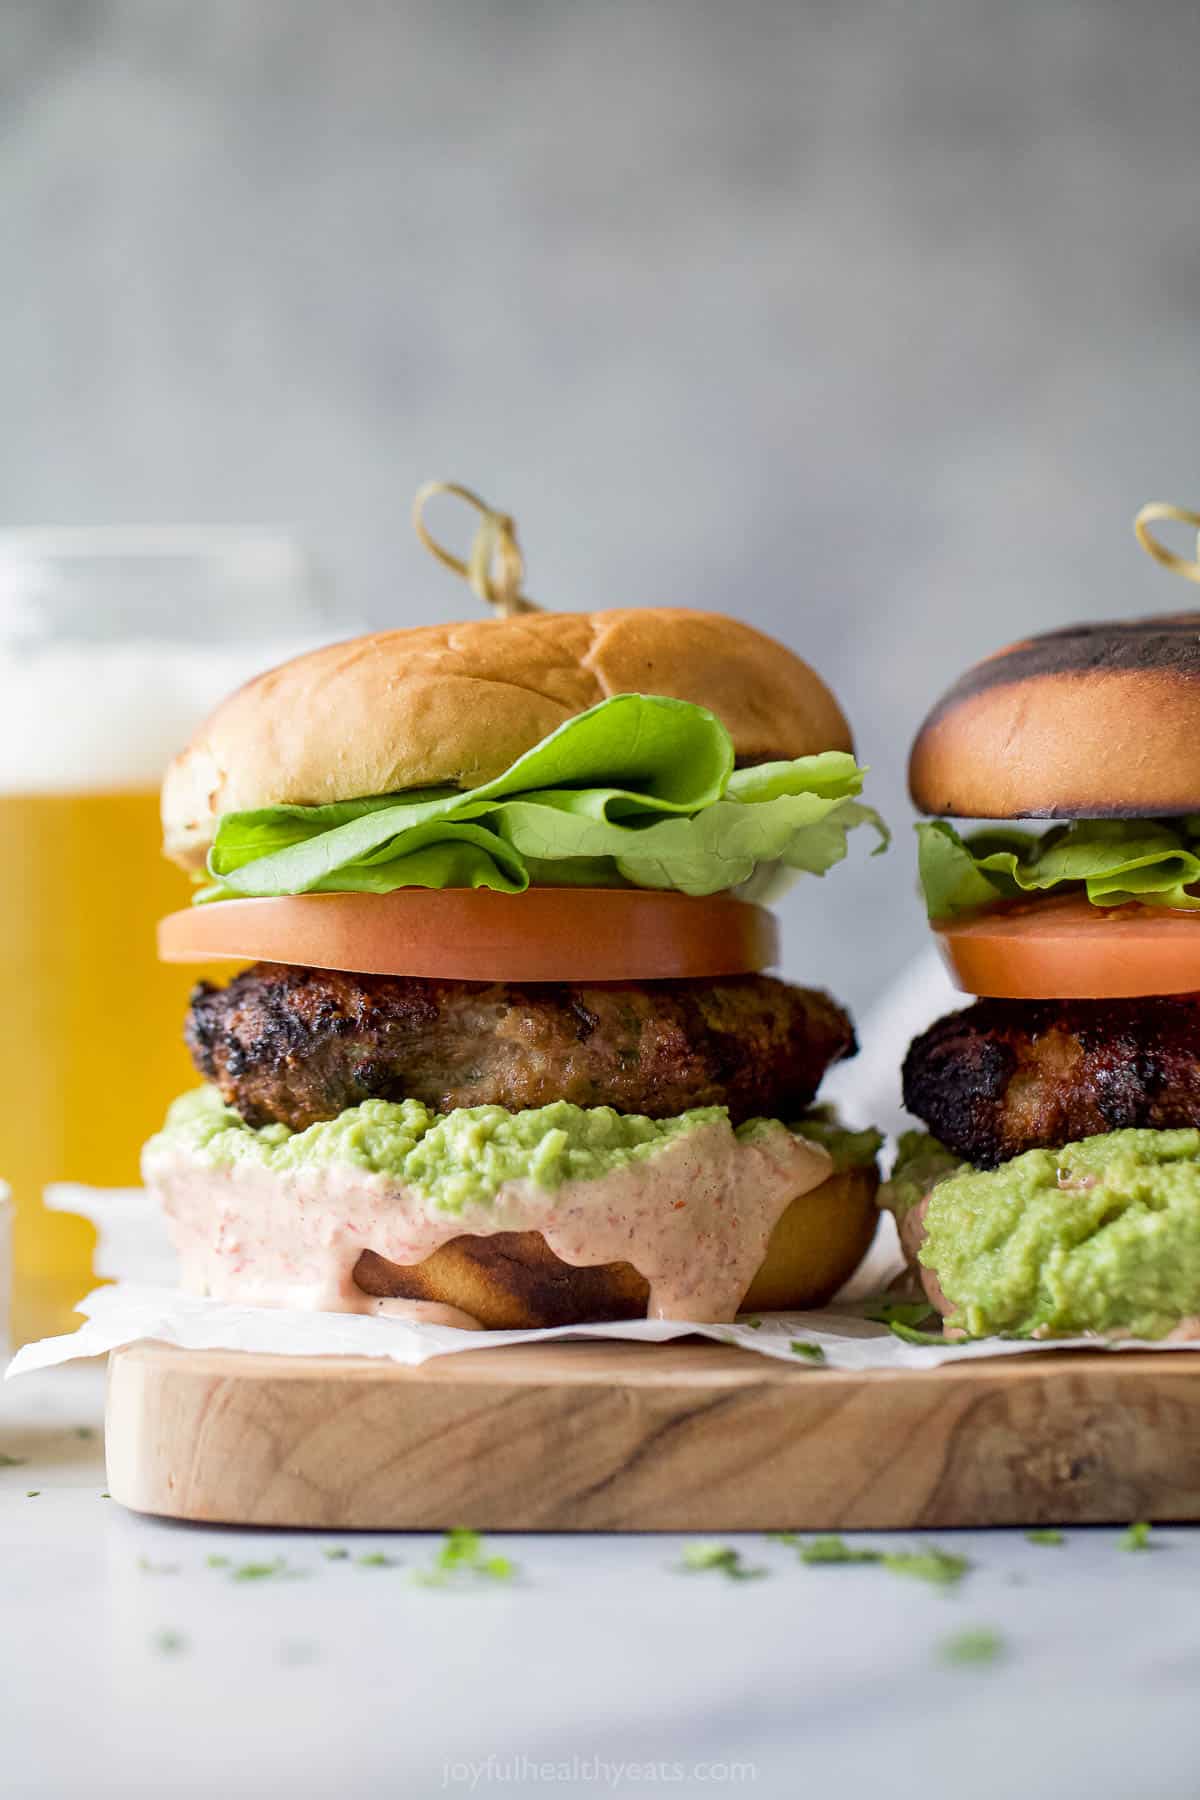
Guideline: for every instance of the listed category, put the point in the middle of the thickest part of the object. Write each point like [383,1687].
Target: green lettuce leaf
[639,791]
[1109,861]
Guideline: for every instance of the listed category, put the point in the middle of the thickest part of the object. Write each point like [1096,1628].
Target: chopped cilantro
[168,1643]
[940,1567]
[754,1324]
[898,1312]
[462,1555]
[149,1568]
[106,1495]
[1136,1538]
[790,1538]
[335,1553]
[836,1550]
[217,1562]
[32,1493]
[265,1571]
[375,1559]
[812,1353]
[911,1336]
[937,1566]
[979,1645]
[1046,1534]
[85,1432]
[697,1557]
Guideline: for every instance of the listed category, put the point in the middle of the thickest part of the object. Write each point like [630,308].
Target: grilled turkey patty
[298,1045]
[1004,1076]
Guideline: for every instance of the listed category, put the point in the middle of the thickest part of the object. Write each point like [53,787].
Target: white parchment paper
[144,1303]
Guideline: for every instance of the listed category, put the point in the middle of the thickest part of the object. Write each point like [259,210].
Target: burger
[1056,1190]
[505,1053]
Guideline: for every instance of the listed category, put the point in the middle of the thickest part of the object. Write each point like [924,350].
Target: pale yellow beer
[91,1046]
[114,645]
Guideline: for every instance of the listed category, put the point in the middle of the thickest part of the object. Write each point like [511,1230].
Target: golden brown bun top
[1097,721]
[456,704]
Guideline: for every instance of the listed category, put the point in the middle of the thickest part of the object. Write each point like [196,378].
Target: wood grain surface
[631,1437]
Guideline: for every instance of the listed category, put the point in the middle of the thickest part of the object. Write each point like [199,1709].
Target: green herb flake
[939,1567]
[812,1353]
[217,1562]
[463,1555]
[912,1313]
[909,1335]
[752,1324]
[106,1495]
[84,1432]
[12,1462]
[277,1570]
[335,1553]
[375,1559]
[790,1539]
[151,1568]
[836,1550]
[1137,1537]
[168,1643]
[32,1493]
[700,1557]
[976,1647]
[1046,1534]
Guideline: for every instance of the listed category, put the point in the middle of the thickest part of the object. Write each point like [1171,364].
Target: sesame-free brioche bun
[512,1280]
[456,704]
[1096,721]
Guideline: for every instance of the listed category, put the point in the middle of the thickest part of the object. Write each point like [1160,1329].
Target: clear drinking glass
[113,646]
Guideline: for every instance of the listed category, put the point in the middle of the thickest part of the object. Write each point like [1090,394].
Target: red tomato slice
[1067,949]
[466,934]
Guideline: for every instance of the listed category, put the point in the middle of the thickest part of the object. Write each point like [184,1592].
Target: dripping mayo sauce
[694,1220]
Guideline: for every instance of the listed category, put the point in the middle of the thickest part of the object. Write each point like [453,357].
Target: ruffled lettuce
[1108,861]
[640,791]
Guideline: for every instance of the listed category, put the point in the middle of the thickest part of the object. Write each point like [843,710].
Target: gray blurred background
[873,323]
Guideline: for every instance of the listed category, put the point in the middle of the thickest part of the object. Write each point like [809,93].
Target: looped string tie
[495,568]
[1187,566]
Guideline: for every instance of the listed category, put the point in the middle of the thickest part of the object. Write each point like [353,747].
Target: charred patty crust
[297,1045]
[1004,1076]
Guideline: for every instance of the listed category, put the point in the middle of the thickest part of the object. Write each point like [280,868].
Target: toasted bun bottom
[512,1280]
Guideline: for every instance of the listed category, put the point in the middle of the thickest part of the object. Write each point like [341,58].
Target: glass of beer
[113,647]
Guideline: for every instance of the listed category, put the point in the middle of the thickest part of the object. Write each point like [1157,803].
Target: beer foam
[102,717]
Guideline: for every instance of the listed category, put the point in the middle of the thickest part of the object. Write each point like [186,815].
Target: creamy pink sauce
[912,1236]
[693,1220]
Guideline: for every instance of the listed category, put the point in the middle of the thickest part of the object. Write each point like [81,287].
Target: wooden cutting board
[687,1436]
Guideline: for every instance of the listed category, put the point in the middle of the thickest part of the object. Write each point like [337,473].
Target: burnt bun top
[1092,721]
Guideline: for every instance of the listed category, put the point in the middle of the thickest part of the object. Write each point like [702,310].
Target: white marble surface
[352,1680]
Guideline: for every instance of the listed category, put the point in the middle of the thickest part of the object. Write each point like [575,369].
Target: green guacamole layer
[1101,1235]
[461,1158]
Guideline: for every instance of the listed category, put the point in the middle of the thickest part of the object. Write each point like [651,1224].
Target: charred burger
[1058,1189]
